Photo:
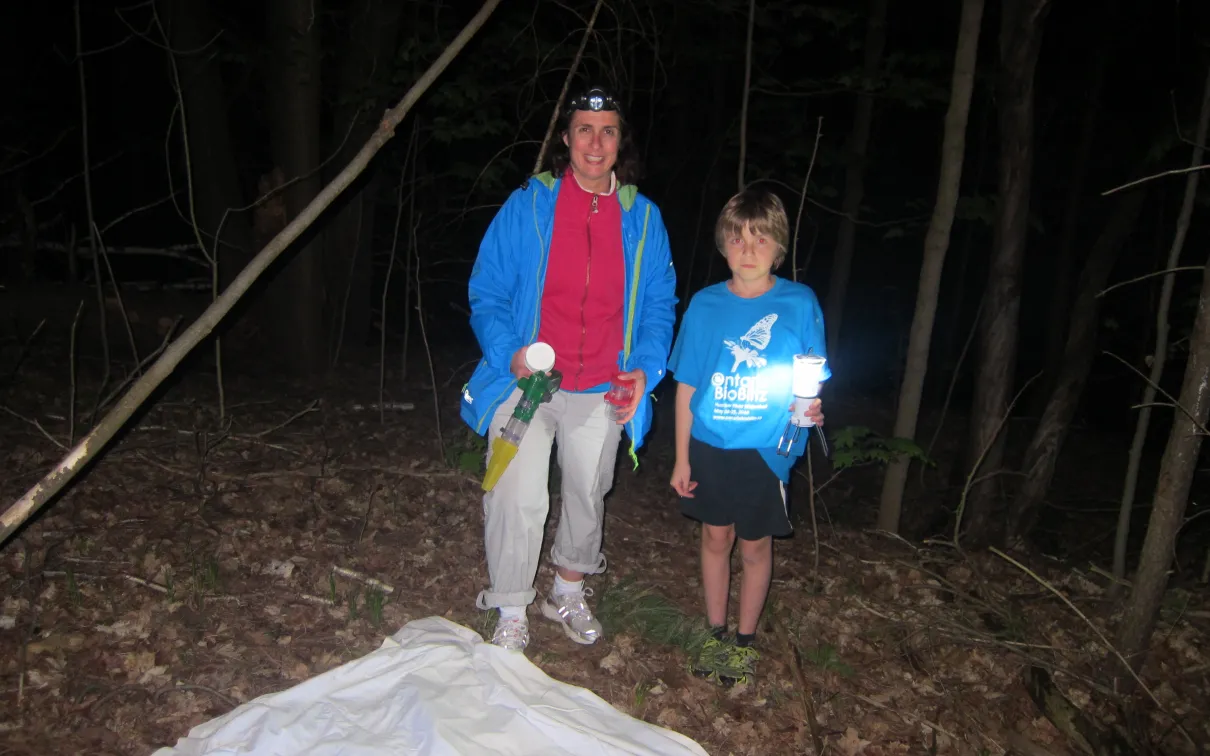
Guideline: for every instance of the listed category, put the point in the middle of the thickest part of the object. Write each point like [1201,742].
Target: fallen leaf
[851,744]
[612,663]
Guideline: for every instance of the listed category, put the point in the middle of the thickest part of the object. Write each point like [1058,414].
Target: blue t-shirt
[738,355]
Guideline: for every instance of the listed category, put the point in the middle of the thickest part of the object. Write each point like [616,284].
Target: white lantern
[807,378]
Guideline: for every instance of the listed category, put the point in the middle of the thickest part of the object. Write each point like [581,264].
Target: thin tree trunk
[1020,42]
[91,446]
[936,244]
[854,180]
[743,111]
[298,293]
[1043,451]
[367,63]
[1172,489]
[192,32]
[1160,353]
[1067,253]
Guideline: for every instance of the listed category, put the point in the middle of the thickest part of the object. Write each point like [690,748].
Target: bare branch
[571,72]
[1144,277]
[1173,172]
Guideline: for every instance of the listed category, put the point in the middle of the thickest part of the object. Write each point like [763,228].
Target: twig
[184,687]
[212,259]
[36,424]
[804,691]
[159,350]
[1173,401]
[25,348]
[427,350]
[1144,277]
[319,600]
[117,295]
[386,282]
[71,362]
[949,392]
[366,520]
[312,407]
[814,523]
[909,718]
[146,584]
[393,406]
[802,199]
[404,350]
[96,264]
[1105,641]
[1172,172]
[743,110]
[970,478]
[362,578]
[571,73]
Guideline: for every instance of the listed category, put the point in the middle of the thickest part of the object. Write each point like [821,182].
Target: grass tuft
[625,605]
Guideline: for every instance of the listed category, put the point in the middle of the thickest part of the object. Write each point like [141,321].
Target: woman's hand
[517,365]
[640,389]
[680,479]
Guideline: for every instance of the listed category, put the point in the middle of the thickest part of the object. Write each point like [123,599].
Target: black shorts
[736,487]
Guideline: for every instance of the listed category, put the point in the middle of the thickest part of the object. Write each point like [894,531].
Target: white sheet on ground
[434,688]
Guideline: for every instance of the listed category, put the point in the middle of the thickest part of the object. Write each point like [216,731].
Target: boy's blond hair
[760,210]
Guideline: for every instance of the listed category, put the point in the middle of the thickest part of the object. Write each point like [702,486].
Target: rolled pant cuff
[494,600]
[588,568]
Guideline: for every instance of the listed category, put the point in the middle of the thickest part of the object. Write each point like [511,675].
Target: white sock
[512,612]
[564,587]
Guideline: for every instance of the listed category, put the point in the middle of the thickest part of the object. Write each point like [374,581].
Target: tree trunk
[367,62]
[298,293]
[854,178]
[1043,451]
[1020,41]
[743,111]
[936,244]
[1159,355]
[1172,489]
[192,30]
[1067,253]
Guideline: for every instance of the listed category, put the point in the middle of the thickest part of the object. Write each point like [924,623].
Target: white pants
[515,511]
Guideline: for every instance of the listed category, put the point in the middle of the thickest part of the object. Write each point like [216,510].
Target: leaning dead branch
[104,431]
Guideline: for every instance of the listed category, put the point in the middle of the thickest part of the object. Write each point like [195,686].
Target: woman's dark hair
[629,165]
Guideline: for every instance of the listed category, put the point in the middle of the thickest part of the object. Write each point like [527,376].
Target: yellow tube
[502,454]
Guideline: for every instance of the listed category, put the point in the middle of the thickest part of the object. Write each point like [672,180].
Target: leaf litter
[203,563]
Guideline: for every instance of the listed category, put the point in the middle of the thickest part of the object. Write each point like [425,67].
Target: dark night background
[428,196]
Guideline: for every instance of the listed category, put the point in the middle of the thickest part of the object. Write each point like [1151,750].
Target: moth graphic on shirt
[749,346]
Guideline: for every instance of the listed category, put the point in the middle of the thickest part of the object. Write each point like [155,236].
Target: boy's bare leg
[717,542]
[754,585]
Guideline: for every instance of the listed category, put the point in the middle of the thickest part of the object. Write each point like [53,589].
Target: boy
[732,362]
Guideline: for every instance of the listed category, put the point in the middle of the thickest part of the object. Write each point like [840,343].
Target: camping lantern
[807,377]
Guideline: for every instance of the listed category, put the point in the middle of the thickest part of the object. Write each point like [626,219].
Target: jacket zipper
[584,299]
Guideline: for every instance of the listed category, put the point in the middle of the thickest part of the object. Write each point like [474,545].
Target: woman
[578,259]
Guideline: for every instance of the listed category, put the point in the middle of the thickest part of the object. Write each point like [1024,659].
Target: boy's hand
[640,389]
[814,411]
[517,365]
[680,479]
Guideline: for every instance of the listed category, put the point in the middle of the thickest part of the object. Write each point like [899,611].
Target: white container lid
[539,357]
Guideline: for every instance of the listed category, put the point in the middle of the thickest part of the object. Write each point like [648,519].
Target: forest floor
[191,569]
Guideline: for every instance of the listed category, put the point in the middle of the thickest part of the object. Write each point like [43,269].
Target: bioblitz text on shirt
[752,391]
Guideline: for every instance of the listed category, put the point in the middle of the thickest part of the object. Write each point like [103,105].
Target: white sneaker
[571,611]
[511,634]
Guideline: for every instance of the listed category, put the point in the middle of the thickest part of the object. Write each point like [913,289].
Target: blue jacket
[506,296]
